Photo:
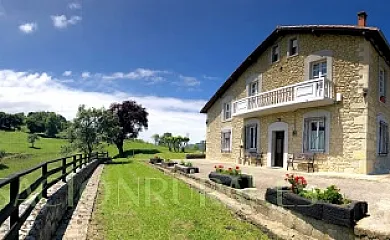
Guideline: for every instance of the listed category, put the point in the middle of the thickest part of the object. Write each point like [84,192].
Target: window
[253,88]
[293,47]
[227,111]
[251,137]
[319,69]
[382,85]
[383,145]
[226,140]
[314,134]
[275,54]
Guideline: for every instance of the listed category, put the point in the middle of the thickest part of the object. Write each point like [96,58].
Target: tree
[85,131]
[49,123]
[156,138]
[32,138]
[185,141]
[125,120]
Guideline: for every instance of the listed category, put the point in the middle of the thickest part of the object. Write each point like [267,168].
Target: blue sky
[173,49]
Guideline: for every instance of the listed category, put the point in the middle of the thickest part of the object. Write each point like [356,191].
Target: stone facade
[352,136]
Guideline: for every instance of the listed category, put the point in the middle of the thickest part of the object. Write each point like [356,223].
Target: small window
[227,111]
[251,137]
[383,145]
[319,69]
[315,134]
[275,53]
[382,85]
[253,88]
[293,47]
[226,139]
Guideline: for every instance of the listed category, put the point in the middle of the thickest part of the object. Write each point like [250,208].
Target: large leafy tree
[123,120]
[84,133]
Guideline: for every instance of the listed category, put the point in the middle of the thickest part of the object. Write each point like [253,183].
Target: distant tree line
[49,123]
[174,143]
[11,121]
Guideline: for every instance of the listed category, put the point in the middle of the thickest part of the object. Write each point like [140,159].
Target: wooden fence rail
[16,196]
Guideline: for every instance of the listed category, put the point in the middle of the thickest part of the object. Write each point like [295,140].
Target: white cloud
[25,92]
[67,73]
[61,21]
[86,75]
[210,77]
[74,5]
[138,74]
[28,28]
[188,81]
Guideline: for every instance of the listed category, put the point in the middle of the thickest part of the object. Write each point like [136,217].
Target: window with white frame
[275,53]
[318,69]
[382,85]
[227,111]
[314,134]
[226,141]
[383,141]
[251,137]
[293,47]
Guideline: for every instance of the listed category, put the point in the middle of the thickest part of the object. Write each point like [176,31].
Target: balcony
[312,93]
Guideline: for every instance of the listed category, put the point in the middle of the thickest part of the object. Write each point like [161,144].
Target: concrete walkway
[373,189]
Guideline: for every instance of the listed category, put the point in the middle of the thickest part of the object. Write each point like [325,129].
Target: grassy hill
[23,157]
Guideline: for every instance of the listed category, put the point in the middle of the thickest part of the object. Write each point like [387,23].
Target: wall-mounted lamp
[365,92]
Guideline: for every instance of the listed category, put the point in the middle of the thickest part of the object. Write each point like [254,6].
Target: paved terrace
[375,189]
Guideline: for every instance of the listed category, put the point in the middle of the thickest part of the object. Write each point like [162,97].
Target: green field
[24,157]
[139,202]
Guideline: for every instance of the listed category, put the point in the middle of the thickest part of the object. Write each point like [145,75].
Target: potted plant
[168,163]
[155,159]
[327,204]
[231,177]
[186,167]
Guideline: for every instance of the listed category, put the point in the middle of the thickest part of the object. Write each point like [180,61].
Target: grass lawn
[46,149]
[139,202]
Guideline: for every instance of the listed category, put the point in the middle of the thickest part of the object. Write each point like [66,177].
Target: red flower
[237,168]
[220,166]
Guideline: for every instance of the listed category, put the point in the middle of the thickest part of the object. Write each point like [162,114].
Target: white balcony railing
[307,91]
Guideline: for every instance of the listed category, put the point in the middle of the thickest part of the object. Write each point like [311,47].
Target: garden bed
[168,164]
[239,181]
[186,169]
[155,160]
[344,215]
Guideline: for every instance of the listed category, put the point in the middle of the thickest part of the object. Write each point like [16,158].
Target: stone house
[310,88]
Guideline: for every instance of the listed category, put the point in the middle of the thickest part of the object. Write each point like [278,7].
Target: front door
[279,149]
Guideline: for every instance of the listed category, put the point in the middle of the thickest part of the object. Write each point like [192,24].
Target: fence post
[44,181]
[64,169]
[74,163]
[14,194]
[80,160]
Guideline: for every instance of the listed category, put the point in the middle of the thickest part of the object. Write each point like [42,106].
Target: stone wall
[348,146]
[375,162]
[61,197]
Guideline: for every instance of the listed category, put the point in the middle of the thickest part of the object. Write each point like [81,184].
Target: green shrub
[195,155]
[330,195]
[188,164]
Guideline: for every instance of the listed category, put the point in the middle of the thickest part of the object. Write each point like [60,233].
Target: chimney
[362,19]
